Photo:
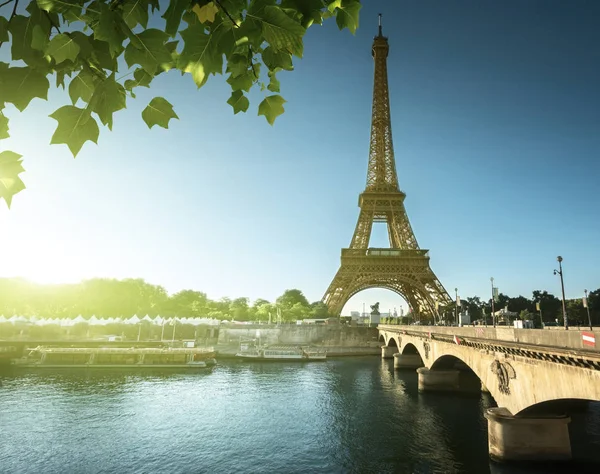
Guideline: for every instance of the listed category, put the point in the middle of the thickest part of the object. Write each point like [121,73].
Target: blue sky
[496,124]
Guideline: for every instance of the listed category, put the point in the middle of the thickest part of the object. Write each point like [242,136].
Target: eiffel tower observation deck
[403,267]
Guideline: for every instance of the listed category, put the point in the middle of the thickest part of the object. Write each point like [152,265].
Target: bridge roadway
[532,375]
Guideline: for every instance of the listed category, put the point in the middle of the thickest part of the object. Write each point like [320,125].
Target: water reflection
[347,415]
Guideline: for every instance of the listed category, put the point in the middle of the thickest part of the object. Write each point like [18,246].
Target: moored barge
[118,357]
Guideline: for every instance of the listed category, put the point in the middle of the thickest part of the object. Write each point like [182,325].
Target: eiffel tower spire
[403,267]
[381,175]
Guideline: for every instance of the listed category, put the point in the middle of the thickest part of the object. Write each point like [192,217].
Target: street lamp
[493,314]
[587,306]
[456,305]
[562,285]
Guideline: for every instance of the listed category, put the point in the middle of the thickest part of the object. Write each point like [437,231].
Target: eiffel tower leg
[337,294]
[362,233]
[400,231]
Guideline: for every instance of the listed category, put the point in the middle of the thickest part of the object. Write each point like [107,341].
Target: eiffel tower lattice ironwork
[404,267]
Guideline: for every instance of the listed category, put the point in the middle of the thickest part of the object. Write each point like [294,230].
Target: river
[354,415]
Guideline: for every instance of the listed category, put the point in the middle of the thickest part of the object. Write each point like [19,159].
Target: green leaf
[108,30]
[19,85]
[275,59]
[273,83]
[3,126]
[84,42]
[309,9]
[61,6]
[237,64]
[250,32]
[21,28]
[200,55]
[239,102]
[62,47]
[108,98]
[347,15]
[158,112]
[10,168]
[206,13]
[271,107]
[334,4]
[135,12]
[280,31]
[151,52]
[82,86]
[244,81]
[173,15]
[39,39]
[3,29]
[75,127]
[140,78]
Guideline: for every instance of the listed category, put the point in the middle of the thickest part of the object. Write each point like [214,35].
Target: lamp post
[456,305]
[587,306]
[493,315]
[562,285]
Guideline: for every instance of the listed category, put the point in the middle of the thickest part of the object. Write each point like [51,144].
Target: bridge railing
[572,339]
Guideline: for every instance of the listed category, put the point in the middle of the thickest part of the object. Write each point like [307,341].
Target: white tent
[133,320]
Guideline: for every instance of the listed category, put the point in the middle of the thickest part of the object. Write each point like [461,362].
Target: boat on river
[251,350]
[118,358]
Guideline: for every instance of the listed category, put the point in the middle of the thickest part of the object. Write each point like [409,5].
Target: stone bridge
[528,372]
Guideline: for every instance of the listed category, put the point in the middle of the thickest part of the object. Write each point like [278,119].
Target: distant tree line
[550,309]
[106,298]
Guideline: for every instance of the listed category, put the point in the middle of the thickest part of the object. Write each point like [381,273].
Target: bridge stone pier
[530,373]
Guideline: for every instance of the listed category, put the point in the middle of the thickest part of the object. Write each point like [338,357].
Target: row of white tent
[94,321]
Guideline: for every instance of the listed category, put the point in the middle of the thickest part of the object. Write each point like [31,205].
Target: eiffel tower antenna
[403,267]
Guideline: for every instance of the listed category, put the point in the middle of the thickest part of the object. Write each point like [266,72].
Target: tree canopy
[107,298]
[101,51]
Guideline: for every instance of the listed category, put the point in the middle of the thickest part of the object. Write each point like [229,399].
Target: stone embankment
[339,340]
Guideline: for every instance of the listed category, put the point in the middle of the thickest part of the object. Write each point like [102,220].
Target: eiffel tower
[404,267]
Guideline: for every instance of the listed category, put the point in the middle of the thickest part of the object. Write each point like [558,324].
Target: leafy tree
[296,312]
[520,303]
[291,297]
[474,307]
[594,304]
[101,51]
[319,310]
[263,310]
[186,303]
[550,305]
[239,309]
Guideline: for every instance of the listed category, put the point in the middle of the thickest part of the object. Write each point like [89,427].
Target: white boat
[251,350]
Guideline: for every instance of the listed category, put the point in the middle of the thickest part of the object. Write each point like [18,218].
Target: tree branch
[6,3]
[51,22]
[14,12]
[227,13]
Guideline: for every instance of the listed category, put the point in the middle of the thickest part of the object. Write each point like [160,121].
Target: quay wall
[338,339]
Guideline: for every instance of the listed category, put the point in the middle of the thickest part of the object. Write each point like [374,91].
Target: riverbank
[228,351]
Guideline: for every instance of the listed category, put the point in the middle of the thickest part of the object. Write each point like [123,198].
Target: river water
[354,415]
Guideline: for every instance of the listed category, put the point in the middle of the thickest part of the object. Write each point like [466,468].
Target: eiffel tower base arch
[405,272]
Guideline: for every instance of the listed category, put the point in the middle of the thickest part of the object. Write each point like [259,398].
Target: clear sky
[496,122]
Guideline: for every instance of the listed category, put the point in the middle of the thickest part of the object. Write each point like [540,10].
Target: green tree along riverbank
[107,298]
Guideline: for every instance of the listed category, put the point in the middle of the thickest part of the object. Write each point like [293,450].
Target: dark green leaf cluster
[102,50]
